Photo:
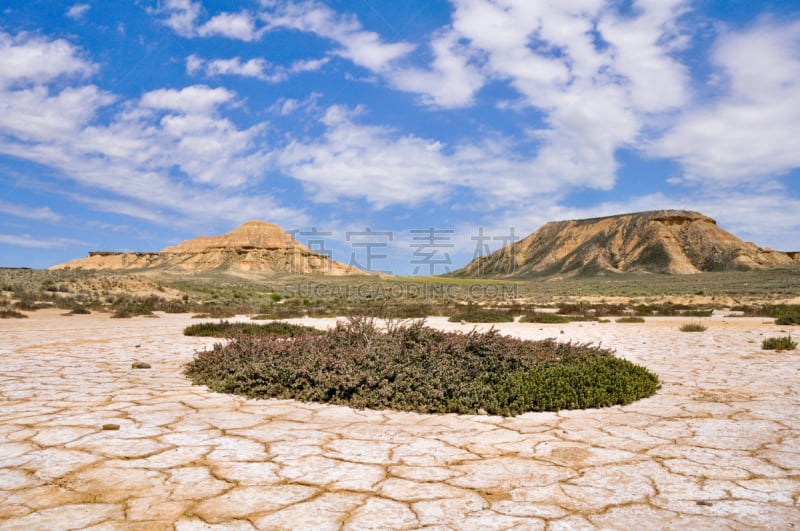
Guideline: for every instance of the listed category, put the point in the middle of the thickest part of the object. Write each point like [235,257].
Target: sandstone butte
[660,241]
[256,247]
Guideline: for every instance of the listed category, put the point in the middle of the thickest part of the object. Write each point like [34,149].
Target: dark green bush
[11,314]
[778,343]
[631,319]
[788,320]
[227,329]
[544,317]
[692,327]
[416,368]
[478,314]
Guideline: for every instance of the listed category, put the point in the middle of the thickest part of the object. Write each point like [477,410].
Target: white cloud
[36,116]
[77,11]
[256,68]
[23,211]
[28,59]
[165,157]
[640,52]
[364,48]
[26,240]
[194,99]
[239,26]
[181,15]
[365,161]
[385,167]
[750,134]
[451,82]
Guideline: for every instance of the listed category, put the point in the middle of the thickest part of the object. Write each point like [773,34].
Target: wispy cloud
[78,11]
[24,211]
[35,242]
[258,68]
[749,135]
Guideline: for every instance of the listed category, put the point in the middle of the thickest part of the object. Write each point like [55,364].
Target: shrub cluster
[477,314]
[669,309]
[692,327]
[416,368]
[544,317]
[228,329]
[779,343]
[11,314]
[631,319]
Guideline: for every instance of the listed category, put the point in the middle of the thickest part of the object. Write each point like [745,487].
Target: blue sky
[131,126]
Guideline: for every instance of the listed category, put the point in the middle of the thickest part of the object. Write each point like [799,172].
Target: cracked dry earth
[717,448]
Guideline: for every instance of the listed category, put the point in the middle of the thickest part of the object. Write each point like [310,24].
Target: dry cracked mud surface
[718,447]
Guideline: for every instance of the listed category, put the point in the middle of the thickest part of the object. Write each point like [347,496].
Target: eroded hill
[661,241]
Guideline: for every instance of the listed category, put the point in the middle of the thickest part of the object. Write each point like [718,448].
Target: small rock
[140,365]
[704,503]
[136,346]
[110,427]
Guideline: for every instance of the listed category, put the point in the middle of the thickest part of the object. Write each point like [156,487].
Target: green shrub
[477,314]
[778,343]
[11,314]
[788,320]
[544,317]
[416,368]
[631,319]
[227,329]
[692,327]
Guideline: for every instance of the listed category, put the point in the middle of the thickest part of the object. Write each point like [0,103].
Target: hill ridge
[255,246]
[655,241]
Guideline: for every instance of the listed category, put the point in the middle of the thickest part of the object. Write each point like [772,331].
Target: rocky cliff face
[256,246]
[662,241]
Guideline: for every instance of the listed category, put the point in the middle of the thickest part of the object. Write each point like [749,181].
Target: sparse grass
[631,319]
[778,343]
[11,314]
[416,368]
[228,329]
[692,327]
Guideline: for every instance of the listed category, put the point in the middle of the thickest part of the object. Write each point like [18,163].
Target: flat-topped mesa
[659,241]
[252,235]
[256,246]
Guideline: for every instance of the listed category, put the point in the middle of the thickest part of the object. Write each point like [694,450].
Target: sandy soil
[717,448]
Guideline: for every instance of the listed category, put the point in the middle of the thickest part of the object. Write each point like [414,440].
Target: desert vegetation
[412,367]
[221,296]
[229,329]
[477,314]
[692,327]
[779,343]
[544,317]
[631,319]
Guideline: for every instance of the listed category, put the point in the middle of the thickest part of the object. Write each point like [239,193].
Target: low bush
[477,314]
[11,314]
[631,319]
[788,320]
[413,367]
[778,343]
[693,327]
[227,329]
[544,317]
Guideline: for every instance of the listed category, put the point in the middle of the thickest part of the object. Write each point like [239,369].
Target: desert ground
[718,447]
